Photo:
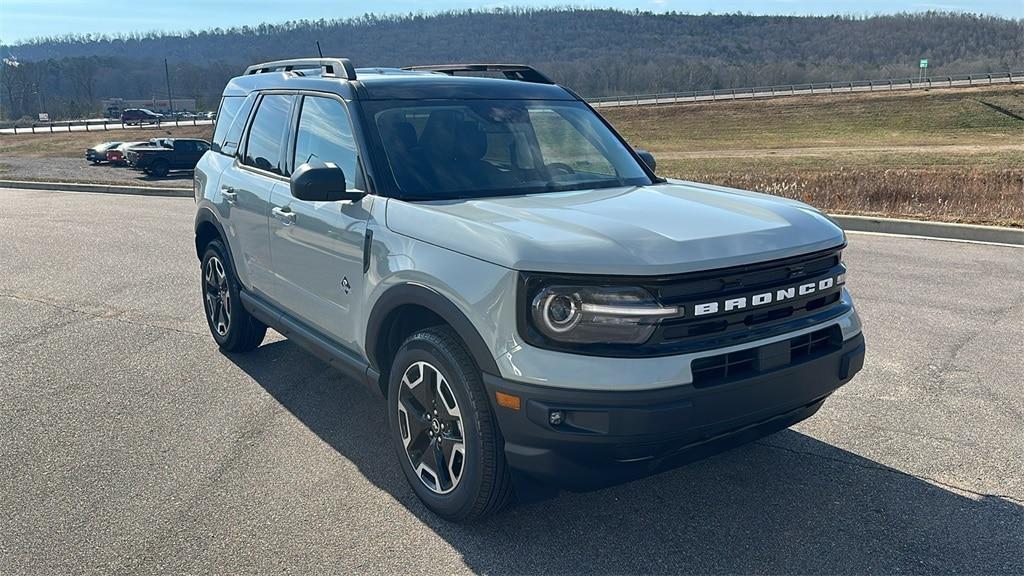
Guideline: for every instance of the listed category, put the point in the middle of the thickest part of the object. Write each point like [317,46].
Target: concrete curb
[931,229]
[99,188]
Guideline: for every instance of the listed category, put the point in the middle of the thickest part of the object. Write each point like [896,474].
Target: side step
[338,356]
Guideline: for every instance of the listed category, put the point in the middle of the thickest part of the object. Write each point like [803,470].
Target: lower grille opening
[723,368]
[815,344]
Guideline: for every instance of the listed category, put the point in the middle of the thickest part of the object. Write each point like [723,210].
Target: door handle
[285,215]
[229,194]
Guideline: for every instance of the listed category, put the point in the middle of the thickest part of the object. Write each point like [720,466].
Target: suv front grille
[693,332]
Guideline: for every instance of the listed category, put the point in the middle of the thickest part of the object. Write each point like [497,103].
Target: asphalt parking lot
[129,444]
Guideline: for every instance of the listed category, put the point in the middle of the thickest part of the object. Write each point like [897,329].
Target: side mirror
[322,183]
[647,157]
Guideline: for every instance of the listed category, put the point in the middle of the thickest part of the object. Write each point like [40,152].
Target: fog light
[556,417]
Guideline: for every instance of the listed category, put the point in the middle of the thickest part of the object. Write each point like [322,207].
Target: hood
[659,229]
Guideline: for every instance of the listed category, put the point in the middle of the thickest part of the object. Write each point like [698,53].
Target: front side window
[263,150]
[478,148]
[325,135]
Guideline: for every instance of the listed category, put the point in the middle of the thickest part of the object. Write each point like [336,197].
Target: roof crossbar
[336,67]
[511,71]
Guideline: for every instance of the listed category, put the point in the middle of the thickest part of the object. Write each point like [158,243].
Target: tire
[159,168]
[480,484]
[231,325]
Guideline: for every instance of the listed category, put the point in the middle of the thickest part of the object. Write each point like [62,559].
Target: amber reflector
[507,400]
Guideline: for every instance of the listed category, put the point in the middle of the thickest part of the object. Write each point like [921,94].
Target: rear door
[317,247]
[246,187]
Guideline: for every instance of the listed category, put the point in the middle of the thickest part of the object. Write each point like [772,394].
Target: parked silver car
[538,308]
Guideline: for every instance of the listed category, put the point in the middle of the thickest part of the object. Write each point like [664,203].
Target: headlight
[596,314]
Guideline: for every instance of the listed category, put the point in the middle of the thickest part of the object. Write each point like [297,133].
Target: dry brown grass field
[955,155]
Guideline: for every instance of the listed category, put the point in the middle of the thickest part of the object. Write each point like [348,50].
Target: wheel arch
[408,307]
[208,228]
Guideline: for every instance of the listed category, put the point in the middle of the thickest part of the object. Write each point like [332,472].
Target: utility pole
[167,77]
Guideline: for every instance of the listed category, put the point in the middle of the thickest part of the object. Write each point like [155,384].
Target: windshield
[443,149]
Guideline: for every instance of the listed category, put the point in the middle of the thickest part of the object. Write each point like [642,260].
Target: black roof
[397,84]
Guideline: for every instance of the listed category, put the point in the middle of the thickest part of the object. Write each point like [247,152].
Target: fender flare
[206,216]
[420,295]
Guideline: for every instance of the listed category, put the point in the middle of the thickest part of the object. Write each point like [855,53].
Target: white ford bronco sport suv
[537,307]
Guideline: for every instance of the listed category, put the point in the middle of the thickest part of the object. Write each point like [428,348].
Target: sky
[24,19]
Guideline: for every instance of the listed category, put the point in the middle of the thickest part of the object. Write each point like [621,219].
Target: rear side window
[263,148]
[234,111]
[325,135]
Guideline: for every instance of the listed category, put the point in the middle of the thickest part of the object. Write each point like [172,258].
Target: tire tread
[496,487]
[246,332]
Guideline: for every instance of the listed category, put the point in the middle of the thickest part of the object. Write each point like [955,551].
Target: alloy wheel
[431,427]
[218,296]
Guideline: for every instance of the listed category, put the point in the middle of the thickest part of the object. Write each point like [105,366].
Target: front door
[317,247]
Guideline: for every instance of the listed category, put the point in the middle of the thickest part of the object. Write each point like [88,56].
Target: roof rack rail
[511,71]
[336,67]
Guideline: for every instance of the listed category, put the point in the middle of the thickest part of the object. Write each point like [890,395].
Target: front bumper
[605,438]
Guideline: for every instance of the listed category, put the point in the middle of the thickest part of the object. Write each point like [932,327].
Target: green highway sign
[924,63]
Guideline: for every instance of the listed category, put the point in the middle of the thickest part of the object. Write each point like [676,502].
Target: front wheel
[232,327]
[448,442]
[159,169]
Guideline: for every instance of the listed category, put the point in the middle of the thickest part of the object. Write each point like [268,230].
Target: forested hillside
[596,52]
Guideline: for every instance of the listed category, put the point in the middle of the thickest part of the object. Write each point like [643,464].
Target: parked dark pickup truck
[175,154]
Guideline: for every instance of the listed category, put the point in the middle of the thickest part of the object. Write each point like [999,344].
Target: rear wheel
[232,327]
[448,442]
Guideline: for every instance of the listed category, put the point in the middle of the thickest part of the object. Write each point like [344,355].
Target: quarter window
[325,135]
[234,112]
[263,150]
[228,110]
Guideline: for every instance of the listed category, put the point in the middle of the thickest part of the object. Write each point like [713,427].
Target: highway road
[131,445]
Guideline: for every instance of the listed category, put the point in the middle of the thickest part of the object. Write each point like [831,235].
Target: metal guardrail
[954,81]
[961,80]
[97,126]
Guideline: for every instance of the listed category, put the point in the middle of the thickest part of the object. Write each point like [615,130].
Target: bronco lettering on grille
[765,298]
